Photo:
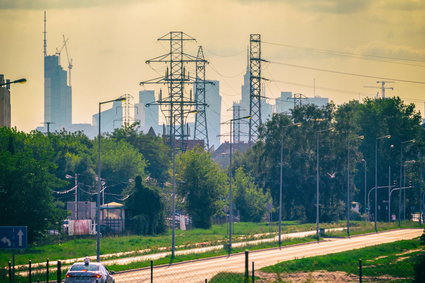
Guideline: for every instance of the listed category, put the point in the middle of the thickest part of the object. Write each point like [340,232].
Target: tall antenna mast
[45,40]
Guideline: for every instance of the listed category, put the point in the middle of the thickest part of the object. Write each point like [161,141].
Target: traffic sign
[13,237]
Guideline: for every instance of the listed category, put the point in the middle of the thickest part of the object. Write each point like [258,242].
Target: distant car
[87,271]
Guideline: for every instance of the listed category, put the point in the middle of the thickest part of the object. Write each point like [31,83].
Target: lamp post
[317,180]
[281,181]
[230,181]
[99,179]
[20,81]
[407,162]
[75,194]
[348,181]
[365,185]
[376,177]
[173,200]
[401,177]
[396,189]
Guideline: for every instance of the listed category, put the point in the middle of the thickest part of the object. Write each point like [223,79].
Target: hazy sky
[109,42]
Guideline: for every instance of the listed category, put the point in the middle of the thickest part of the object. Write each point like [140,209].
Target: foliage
[202,185]
[145,210]
[153,148]
[26,181]
[120,162]
[340,151]
[249,199]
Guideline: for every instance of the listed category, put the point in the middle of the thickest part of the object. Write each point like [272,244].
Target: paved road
[198,271]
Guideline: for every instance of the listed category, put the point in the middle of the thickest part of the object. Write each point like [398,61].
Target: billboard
[80,227]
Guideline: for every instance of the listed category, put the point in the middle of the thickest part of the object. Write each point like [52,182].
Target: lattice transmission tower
[255,89]
[201,129]
[176,104]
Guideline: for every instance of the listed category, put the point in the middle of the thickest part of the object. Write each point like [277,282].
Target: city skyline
[109,62]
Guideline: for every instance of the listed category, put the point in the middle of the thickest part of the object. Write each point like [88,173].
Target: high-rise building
[286,101]
[5,112]
[266,108]
[111,119]
[213,112]
[147,115]
[57,92]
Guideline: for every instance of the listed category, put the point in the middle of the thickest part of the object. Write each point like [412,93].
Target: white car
[93,272]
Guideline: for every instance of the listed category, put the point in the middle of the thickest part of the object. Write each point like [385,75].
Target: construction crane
[59,52]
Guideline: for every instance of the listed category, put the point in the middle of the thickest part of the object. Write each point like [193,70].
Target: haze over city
[109,42]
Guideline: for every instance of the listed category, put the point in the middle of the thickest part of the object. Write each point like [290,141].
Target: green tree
[145,209]
[201,185]
[120,163]
[250,200]
[26,182]
[153,148]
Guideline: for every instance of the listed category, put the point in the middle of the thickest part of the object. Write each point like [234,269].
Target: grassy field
[361,227]
[67,248]
[393,261]
[163,261]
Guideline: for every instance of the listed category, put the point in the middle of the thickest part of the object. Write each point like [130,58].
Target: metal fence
[405,266]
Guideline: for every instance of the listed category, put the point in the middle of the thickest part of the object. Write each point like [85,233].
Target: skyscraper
[57,92]
[213,112]
[287,100]
[111,118]
[266,108]
[148,116]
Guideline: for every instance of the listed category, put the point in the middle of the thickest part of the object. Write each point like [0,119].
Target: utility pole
[255,79]
[176,77]
[48,126]
[201,129]
[382,87]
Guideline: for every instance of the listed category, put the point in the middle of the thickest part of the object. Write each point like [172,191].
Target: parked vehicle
[93,272]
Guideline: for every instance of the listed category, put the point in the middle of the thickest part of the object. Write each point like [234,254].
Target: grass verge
[68,248]
[392,261]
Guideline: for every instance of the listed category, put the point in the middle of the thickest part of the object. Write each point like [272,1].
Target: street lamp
[173,200]
[281,182]
[365,185]
[230,181]
[401,177]
[348,181]
[317,179]
[396,189]
[20,81]
[99,179]
[75,194]
[376,177]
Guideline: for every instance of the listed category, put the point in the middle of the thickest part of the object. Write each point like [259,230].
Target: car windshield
[84,267]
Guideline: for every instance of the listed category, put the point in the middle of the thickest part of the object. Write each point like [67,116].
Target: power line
[319,87]
[353,55]
[347,73]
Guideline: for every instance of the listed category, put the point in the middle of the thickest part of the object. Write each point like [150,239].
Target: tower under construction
[57,89]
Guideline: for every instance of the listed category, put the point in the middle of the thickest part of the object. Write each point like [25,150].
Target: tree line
[137,169]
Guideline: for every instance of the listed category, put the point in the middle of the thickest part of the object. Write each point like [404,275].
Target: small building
[112,217]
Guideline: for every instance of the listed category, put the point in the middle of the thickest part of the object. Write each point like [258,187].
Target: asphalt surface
[199,270]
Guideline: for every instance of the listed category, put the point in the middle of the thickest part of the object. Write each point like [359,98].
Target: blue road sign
[13,237]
